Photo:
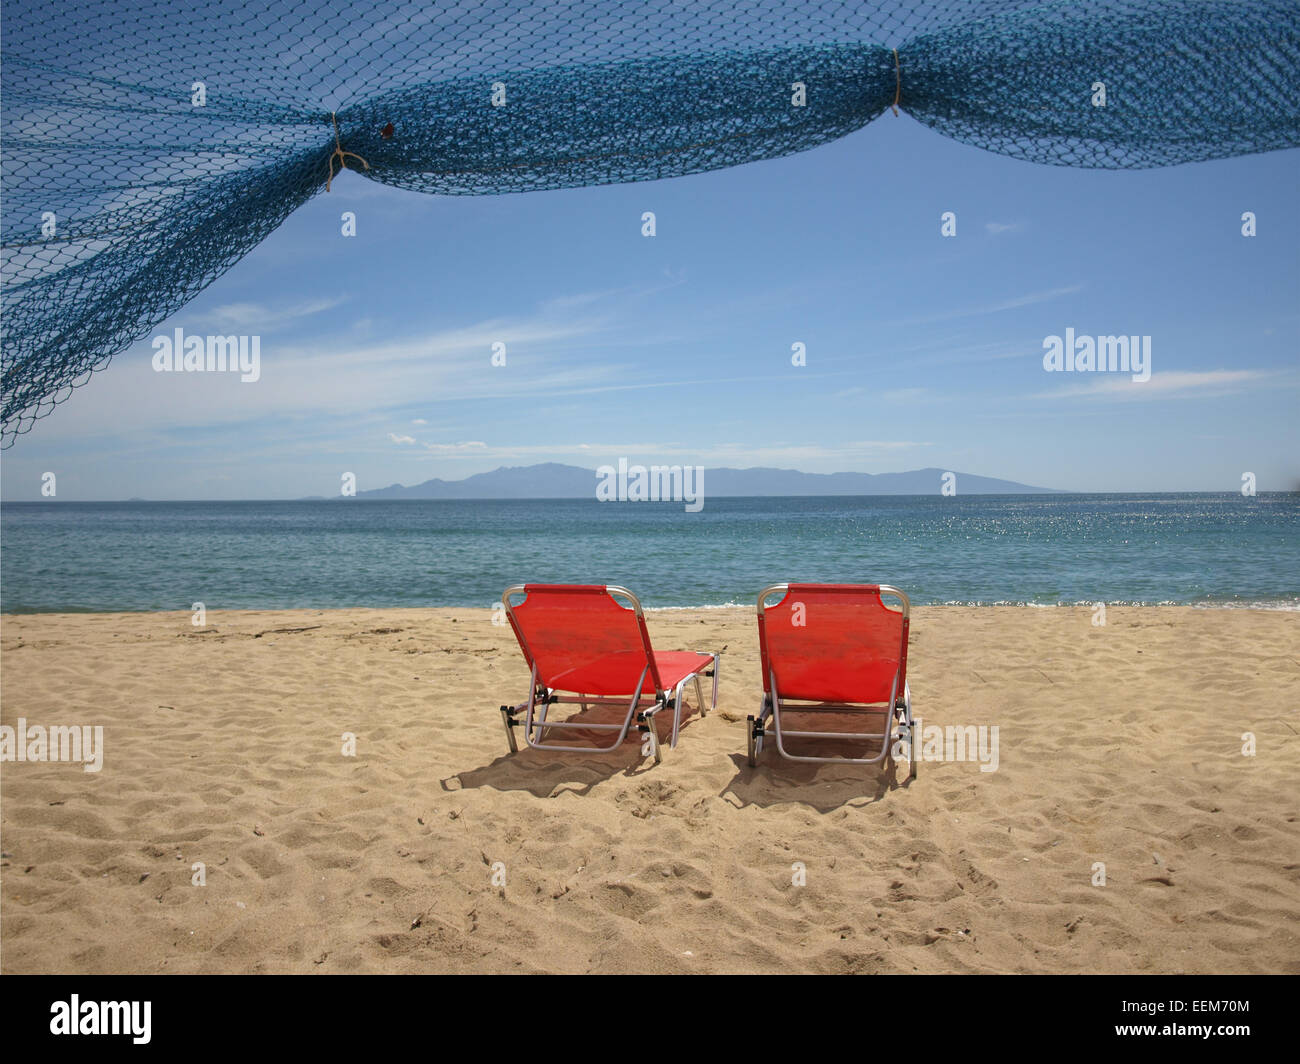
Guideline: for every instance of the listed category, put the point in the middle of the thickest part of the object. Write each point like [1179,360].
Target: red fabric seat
[583,640]
[833,643]
[583,645]
[616,674]
[675,665]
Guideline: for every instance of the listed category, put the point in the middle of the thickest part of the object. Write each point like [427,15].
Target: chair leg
[757,726]
[677,712]
[911,730]
[648,729]
[906,734]
[508,717]
[539,728]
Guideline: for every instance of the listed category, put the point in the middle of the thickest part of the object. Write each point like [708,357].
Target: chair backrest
[580,638]
[833,642]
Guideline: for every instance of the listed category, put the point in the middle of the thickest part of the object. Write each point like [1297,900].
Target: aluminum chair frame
[641,707]
[898,710]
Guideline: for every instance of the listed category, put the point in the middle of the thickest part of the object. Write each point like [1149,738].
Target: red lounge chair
[584,647]
[834,648]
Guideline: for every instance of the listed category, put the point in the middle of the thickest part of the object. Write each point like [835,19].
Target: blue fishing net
[148,144]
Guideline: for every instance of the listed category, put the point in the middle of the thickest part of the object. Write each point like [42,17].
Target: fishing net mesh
[146,145]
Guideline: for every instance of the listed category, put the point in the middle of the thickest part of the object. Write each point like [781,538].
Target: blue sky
[921,350]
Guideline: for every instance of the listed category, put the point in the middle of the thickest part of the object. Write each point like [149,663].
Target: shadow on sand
[824,787]
[546,774]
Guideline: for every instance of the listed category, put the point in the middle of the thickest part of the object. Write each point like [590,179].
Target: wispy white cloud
[1029,299]
[256,317]
[903,395]
[401,439]
[718,454]
[347,377]
[577,301]
[472,447]
[1169,384]
[994,228]
[564,304]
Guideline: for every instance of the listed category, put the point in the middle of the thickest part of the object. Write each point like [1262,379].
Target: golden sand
[223,746]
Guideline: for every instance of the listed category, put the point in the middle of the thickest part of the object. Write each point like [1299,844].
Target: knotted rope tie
[340,154]
[898,83]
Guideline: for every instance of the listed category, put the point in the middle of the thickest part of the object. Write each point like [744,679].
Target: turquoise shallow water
[1041,549]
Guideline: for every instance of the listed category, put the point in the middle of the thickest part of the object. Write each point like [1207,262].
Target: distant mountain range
[551,480]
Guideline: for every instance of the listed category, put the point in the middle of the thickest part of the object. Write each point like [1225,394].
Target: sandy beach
[223,747]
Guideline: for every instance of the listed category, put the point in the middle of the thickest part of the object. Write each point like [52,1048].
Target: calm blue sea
[1041,549]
